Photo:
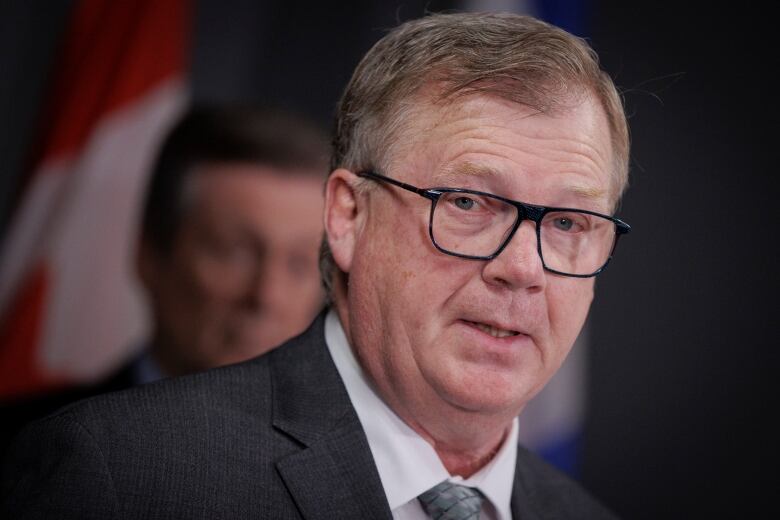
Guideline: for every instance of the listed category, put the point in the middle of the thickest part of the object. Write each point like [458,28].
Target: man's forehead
[427,116]
[424,115]
[461,173]
[215,184]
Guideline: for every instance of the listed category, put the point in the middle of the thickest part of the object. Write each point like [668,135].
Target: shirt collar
[145,369]
[406,463]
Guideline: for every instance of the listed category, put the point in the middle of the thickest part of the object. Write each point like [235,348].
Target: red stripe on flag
[22,327]
[113,52]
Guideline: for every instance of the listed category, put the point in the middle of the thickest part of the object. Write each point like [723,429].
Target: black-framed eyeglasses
[477,225]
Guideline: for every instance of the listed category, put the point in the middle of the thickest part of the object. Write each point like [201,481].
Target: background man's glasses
[478,225]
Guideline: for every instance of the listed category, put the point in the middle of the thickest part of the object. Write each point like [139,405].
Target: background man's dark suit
[274,437]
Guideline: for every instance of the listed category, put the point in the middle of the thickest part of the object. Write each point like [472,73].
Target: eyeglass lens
[478,225]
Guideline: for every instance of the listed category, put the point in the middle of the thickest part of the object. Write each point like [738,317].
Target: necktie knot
[449,501]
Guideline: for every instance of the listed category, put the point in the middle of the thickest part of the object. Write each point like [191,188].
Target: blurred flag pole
[70,309]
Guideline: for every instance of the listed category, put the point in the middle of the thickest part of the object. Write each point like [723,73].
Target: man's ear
[342,217]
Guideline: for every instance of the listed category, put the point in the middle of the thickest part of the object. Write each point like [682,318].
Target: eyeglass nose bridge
[524,212]
[529,212]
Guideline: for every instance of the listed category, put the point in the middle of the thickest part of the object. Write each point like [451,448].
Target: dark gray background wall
[684,323]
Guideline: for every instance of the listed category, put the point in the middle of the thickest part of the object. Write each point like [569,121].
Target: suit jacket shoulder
[19,412]
[274,437]
[542,491]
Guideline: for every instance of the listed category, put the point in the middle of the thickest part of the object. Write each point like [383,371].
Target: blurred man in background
[228,248]
[229,242]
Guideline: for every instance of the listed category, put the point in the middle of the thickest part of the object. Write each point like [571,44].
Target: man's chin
[486,393]
[489,405]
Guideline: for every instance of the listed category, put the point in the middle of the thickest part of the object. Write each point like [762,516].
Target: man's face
[423,323]
[242,275]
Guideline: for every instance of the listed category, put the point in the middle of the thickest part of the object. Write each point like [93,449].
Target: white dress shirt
[406,463]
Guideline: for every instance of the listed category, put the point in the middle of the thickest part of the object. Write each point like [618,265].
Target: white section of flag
[80,216]
[95,313]
[23,243]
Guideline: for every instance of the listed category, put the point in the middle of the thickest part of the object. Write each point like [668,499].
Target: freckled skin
[456,386]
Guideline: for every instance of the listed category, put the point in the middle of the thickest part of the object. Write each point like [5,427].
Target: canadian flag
[70,309]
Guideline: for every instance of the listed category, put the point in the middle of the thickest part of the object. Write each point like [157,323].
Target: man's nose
[519,265]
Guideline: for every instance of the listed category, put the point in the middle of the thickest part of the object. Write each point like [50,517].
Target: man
[228,247]
[230,235]
[453,304]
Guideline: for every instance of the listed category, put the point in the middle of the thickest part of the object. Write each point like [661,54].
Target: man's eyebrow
[587,192]
[455,173]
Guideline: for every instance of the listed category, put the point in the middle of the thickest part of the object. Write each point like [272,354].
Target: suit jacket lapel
[334,475]
[523,504]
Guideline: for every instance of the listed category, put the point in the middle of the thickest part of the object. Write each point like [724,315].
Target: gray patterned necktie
[448,501]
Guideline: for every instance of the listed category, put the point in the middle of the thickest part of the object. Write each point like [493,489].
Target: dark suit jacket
[272,438]
[17,413]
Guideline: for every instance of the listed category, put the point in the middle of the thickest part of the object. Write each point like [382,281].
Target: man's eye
[464,203]
[563,223]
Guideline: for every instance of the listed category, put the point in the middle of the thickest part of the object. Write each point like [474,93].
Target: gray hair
[514,57]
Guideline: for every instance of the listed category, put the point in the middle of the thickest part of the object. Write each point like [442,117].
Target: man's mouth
[493,331]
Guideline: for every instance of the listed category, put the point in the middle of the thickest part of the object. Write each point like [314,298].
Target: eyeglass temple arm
[622,227]
[428,194]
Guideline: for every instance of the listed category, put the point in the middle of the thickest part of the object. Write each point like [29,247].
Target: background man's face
[242,275]
[418,318]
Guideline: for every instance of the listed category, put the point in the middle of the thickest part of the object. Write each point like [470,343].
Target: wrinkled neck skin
[460,459]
